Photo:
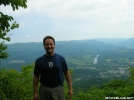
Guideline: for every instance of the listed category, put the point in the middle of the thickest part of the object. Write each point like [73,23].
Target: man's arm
[69,81]
[35,86]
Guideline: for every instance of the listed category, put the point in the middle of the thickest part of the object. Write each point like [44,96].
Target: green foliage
[131,73]
[8,85]
[14,3]
[114,84]
[16,85]
[5,25]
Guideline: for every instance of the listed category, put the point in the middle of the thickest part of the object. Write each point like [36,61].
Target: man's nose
[49,45]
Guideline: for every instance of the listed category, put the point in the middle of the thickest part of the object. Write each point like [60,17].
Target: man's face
[49,45]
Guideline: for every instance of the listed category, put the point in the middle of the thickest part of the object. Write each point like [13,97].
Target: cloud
[74,19]
[115,10]
[79,9]
[28,36]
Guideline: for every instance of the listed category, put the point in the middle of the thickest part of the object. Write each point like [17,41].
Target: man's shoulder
[60,56]
[40,58]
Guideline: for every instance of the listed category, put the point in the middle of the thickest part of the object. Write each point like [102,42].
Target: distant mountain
[82,46]
[125,42]
[77,52]
[128,43]
[112,40]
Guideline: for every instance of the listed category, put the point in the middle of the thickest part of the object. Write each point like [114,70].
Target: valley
[93,62]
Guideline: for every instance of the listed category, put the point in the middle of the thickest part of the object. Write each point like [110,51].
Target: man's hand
[36,96]
[70,94]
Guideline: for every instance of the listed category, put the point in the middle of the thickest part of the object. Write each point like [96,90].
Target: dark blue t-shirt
[50,70]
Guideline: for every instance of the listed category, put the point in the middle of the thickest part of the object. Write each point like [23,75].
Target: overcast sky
[72,20]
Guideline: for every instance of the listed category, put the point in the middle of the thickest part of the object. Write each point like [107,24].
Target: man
[50,70]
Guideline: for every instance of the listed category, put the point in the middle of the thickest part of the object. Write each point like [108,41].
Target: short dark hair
[48,37]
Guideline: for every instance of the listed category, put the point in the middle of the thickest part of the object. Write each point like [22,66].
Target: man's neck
[50,54]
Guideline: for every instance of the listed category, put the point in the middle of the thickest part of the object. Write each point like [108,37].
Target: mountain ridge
[74,51]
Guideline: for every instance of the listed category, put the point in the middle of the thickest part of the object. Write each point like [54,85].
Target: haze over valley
[94,61]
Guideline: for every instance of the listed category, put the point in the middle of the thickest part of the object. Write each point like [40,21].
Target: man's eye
[48,44]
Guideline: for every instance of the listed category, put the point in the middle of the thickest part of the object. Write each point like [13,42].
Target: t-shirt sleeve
[36,68]
[64,65]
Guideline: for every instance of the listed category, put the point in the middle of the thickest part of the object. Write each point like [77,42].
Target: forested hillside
[88,49]
[94,62]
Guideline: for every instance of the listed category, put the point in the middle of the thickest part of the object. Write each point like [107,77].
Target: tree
[16,85]
[5,25]
[131,73]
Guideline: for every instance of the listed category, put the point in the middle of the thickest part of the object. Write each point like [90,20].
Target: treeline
[16,85]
